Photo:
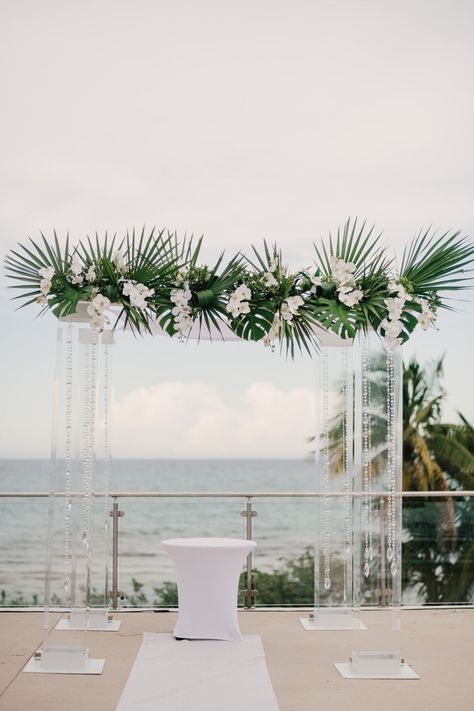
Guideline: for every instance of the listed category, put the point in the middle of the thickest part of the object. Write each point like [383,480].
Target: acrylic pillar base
[56,659]
[376,665]
[336,618]
[97,619]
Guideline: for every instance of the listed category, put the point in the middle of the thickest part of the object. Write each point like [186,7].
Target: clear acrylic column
[377,506]
[78,524]
[334,466]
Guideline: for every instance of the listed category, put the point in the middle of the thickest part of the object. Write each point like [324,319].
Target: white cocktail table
[208,571]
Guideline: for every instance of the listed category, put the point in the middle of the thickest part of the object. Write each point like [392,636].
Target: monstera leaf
[336,317]
[256,324]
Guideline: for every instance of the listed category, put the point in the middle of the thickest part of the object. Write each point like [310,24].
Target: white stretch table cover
[168,675]
[208,571]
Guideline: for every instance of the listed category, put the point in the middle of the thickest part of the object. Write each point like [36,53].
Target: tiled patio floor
[438,644]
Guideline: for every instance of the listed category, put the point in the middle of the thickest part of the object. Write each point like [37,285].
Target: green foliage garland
[156,280]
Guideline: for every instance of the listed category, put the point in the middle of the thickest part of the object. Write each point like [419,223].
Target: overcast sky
[241,121]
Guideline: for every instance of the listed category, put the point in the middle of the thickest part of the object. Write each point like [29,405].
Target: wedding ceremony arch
[352,309]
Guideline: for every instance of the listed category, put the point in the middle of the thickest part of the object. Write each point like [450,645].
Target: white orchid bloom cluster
[95,310]
[427,317]
[343,275]
[273,334]
[315,281]
[392,324]
[269,280]
[238,301]
[137,293]
[182,311]
[46,274]
[91,274]
[76,267]
[289,308]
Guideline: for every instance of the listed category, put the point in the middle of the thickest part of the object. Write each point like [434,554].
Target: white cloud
[177,419]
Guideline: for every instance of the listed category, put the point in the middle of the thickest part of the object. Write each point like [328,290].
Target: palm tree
[422,399]
[437,456]
[453,445]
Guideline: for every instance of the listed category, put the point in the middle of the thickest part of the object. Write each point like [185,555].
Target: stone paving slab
[439,644]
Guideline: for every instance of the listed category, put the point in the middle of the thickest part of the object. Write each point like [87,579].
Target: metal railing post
[249,593]
[115,594]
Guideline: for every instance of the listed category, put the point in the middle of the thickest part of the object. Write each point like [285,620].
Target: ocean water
[282,528]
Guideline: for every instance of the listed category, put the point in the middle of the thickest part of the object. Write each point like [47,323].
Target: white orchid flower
[100,302]
[144,290]
[350,298]
[272,267]
[392,328]
[118,261]
[45,286]
[77,279]
[285,312]
[98,322]
[393,343]
[91,274]
[76,265]
[272,335]
[233,307]
[399,289]
[46,272]
[136,299]
[127,287]
[242,292]
[394,307]
[294,302]
[244,307]
[179,296]
[41,300]
[269,279]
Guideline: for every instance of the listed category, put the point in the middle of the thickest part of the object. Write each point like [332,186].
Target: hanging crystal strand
[68,453]
[325,467]
[345,467]
[89,427]
[85,437]
[391,516]
[367,453]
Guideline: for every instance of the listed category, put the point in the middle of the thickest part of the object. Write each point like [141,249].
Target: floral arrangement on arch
[352,285]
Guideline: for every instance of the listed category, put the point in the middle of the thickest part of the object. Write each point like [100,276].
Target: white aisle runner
[198,675]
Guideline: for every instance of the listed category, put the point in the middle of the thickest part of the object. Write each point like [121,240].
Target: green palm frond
[359,245]
[434,264]
[300,336]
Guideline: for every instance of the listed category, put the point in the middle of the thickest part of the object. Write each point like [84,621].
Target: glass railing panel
[23,527]
[438,551]
[147,576]
[283,562]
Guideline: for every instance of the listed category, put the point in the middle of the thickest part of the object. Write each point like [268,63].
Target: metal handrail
[238,494]
[249,592]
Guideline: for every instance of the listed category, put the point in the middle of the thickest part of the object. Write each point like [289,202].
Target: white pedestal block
[71,659]
[97,620]
[332,619]
[402,672]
